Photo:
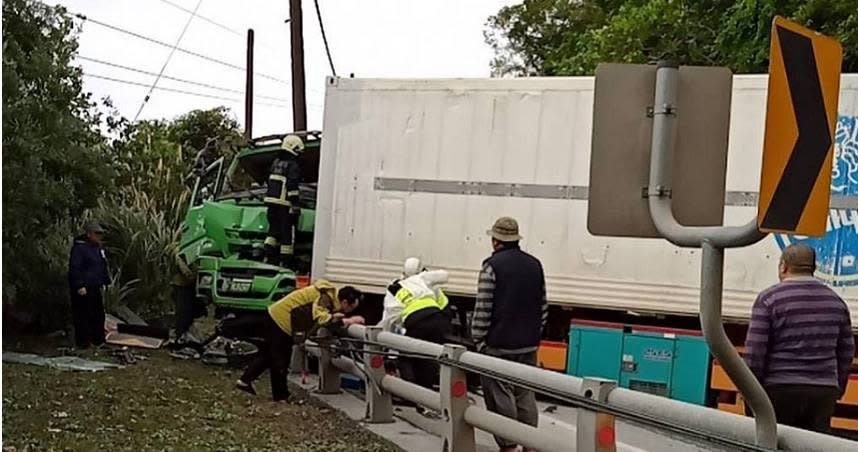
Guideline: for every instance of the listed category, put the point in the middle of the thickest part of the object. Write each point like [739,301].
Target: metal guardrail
[598,402]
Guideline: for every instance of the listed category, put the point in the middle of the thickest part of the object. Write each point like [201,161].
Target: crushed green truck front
[226,225]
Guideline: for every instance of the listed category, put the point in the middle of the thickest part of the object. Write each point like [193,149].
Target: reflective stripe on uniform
[293,193]
[412,304]
[278,201]
[287,249]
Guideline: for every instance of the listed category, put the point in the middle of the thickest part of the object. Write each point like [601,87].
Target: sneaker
[246,387]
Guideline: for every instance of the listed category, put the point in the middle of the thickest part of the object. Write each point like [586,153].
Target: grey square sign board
[620,155]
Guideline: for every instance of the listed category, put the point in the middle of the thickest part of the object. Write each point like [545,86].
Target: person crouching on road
[392,318]
[87,277]
[423,319]
[302,311]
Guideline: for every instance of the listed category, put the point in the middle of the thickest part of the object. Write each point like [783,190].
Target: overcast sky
[370,38]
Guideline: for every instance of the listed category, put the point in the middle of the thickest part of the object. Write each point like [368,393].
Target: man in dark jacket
[509,316]
[87,277]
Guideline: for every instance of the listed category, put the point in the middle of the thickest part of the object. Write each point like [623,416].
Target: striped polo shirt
[800,333]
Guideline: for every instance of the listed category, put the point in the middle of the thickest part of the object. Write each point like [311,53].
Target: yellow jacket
[305,309]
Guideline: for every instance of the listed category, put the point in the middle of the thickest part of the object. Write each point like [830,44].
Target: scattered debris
[185,353]
[59,362]
[61,415]
[134,341]
[222,351]
[130,316]
[126,356]
[113,336]
[144,330]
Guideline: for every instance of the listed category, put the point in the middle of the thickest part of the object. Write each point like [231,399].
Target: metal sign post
[713,240]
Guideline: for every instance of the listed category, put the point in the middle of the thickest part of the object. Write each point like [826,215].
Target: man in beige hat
[509,317]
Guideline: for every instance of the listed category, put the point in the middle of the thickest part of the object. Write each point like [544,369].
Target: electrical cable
[324,37]
[167,61]
[215,23]
[179,49]
[177,79]
[178,91]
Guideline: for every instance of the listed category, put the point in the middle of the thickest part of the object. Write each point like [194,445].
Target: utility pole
[248,88]
[299,101]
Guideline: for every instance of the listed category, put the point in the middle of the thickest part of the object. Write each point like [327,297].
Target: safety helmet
[292,144]
[411,267]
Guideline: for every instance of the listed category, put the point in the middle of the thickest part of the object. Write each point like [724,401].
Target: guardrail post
[595,431]
[299,355]
[458,434]
[379,407]
[329,375]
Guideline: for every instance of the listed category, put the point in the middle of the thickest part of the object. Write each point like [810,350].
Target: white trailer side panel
[530,131]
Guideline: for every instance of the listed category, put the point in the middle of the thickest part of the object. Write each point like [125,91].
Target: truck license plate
[239,286]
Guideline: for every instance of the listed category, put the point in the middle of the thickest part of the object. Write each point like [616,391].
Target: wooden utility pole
[248,88]
[299,101]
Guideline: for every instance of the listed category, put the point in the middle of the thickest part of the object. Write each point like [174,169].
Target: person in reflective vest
[282,201]
[392,317]
[423,319]
[303,311]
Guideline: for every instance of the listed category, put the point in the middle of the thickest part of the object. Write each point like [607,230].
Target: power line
[324,37]
[178,91]
[179,49]
[167,61]
[204,19]
[217,24]
[177,79]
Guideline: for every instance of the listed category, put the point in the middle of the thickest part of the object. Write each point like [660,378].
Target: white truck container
[423,168]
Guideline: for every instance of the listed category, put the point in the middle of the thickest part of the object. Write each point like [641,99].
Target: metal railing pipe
[411,392]
[549,379]
[526,435]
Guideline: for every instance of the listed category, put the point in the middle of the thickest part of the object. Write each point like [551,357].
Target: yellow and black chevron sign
[804,86]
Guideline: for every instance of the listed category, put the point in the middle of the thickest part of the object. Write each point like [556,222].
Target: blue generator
[663,361]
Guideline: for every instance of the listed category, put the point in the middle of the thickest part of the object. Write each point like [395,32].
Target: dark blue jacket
[87,265]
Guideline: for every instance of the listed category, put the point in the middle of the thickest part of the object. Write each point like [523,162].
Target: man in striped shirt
[800,343]
[509,316]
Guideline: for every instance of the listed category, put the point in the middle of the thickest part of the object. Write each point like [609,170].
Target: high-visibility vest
[443,301]
[413,304]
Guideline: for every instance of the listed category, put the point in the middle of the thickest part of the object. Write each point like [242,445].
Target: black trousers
[428,325]
[804,406]
[279,243]
[275,353]
[188,307]
[88,317]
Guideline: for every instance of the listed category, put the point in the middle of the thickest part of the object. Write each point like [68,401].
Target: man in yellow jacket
[302,311]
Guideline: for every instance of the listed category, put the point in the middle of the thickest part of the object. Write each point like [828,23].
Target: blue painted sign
[837,250]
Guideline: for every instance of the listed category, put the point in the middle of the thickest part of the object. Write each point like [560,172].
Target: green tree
[143,214]
[53,153]
[570,37]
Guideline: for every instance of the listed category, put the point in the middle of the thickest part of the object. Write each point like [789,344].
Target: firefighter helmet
[292,144]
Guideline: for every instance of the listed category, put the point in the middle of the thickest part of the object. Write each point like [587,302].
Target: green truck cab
[225,227]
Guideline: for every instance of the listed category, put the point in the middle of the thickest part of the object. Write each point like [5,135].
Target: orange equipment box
[552,355]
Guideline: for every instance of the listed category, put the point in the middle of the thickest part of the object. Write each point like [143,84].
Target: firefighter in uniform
[282,202]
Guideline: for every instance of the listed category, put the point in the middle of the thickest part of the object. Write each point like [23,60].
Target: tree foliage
[53,153]
[59,171]
[570,37]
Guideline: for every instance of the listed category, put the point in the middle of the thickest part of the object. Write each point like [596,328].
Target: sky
[367,38]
